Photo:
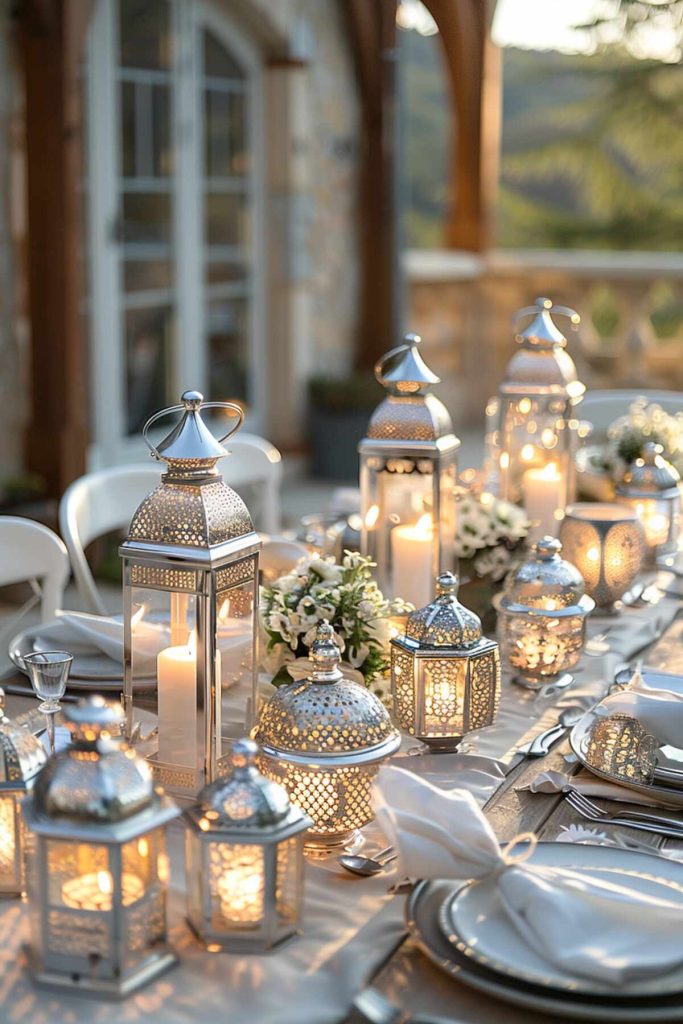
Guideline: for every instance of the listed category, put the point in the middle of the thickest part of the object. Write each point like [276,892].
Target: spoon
[542,743]
[366,866]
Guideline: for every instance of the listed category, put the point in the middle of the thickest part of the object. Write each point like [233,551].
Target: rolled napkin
[582,923]
[590,785]
[660,712]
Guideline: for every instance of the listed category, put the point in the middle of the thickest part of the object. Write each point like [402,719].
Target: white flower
[494,562]
[357,655]
[326,568]
[286,583]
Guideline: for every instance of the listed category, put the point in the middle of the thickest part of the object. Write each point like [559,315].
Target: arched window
[174,196]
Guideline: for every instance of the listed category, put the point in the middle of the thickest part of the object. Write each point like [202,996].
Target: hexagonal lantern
[22,755]
[190,593]
[445,676]
[97,869]
[244,860]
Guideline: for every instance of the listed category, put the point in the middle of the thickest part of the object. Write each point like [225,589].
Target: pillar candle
[544,494]
[412,562]
[177,704]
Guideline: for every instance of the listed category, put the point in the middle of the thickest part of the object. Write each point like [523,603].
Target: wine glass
[48,672]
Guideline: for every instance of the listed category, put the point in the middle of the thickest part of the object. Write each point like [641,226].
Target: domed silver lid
[545,582]
[650,475]
[22,754]
[325,714]
[244,798]
[444,622]
[98,777]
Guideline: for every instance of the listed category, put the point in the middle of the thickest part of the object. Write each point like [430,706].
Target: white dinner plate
[668,758]
[422,916]
[474,919]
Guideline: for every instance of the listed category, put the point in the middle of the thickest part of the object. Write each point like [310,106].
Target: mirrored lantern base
[103,988]
[233,943]
[437,745]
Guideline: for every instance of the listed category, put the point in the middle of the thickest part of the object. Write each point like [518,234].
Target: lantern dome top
[545,581]
[98,777]
[190,444]
[325,713]
[444,622]
[408,412]
[244,799]
[650,475]
[541,360]
[21,753]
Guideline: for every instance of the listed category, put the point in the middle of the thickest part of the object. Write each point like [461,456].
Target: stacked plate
[464,930]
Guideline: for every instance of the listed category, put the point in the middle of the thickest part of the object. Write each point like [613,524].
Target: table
[352,926]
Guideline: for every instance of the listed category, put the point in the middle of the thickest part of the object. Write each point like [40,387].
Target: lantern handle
[381,363]
[232,406]
[546,305]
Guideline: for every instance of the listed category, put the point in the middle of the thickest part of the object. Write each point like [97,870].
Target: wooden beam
[52,35]
[473,67]
[371,25]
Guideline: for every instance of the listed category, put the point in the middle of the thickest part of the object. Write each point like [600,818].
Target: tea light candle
[411,557]
[240,887]
[544,491]
[94,891]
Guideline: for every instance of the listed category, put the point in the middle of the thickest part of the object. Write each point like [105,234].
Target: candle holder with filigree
[651,488]
[445,676]
[22,755]
[606,543]
[97,870]
[190,595]
[408,476]
[244,860]
[621,747]
[542,617]
[324,738]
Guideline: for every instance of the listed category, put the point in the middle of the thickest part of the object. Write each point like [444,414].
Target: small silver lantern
[650,488]
[22,755]
[542,616]
[408,471]
[97,869]
[190,591]
[324,738]
[537,426]
[445,676]
[244,860]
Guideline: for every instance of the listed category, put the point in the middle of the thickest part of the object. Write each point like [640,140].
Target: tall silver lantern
[97,869]
[190,593]
[537,426]
[324,738]
[22,755]
[244,860]
[651,488]
[445,675]
[408,470]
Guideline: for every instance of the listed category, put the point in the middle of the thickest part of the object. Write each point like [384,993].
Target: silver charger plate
[424,906]
[669,791]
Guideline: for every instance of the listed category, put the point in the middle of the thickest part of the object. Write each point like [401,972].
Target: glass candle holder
[324,738]
[445,675]
[606,543]
[244,860]
[97,869]
[542,616]
[651,488]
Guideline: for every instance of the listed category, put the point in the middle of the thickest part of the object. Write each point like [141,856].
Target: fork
[373,1008]
[631,819]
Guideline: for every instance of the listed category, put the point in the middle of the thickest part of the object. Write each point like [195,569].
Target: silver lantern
[244,860]
[537,426]
[408,469]
[445,676]
[324,738]
[542,616]
[190,572]
[651,488]
[22,755]
[97,868]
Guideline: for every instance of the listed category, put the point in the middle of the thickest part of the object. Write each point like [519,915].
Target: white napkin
[590,785]
[584,924]
[660,712]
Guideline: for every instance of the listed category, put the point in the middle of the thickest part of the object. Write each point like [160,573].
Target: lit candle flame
[424,526]
[371,517]
[138,615]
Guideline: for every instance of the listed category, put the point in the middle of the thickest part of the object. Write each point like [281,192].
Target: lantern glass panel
[535,435]
[543,647]
[444,682]
[235,660]
[288,881]
[195,851]
[656,516]
[144,863]
[237,883]
[10,840]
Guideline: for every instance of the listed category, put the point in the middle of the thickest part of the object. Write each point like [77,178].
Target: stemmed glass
[48,672]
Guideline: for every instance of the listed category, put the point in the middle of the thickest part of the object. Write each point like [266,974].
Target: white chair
[101,502]
[31,552]
[602,408]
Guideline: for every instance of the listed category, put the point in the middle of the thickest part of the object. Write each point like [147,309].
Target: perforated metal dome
[445,622]
[21,753]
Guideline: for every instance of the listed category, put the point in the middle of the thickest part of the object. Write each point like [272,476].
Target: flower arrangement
[488,531]
[347,596]
[645,422]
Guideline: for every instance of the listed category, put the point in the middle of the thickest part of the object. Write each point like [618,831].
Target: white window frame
[110,443]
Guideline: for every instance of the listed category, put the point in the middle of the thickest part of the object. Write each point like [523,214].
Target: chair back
[31,552]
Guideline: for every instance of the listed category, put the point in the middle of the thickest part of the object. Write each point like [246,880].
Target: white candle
[411,559]
[543,491]
[177,703]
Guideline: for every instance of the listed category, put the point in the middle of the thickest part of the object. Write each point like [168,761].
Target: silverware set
[372,1008]
[367,866]
[640,820]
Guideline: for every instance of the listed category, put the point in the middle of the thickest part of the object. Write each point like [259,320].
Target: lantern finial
[547,548]
[325,654]
[243,754]
[447,583]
